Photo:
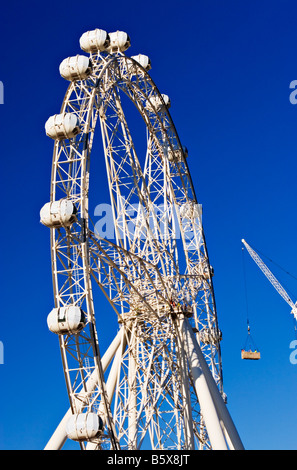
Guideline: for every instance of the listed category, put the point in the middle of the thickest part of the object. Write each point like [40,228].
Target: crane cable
[249,341]
[245,288]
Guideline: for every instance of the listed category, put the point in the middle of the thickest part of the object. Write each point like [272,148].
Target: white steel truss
[155,274]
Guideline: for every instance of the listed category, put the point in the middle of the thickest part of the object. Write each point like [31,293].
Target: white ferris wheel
[159,383]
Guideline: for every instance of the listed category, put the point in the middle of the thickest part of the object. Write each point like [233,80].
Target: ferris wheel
[159,383]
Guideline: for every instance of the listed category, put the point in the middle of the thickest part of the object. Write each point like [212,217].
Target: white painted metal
[208,409]
[226,422]
[271,278]
[154,272]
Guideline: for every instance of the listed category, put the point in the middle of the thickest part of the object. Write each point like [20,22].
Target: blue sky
[227,66]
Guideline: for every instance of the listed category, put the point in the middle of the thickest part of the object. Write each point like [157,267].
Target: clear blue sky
[226,66]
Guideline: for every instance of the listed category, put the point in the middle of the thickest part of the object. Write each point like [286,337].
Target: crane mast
[271,278]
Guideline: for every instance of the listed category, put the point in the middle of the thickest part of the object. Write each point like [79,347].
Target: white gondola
[64,320]
[210,335]
[77,67]
[143,60]
[57,214]
[157,103]
[208,272]
[94,41]
[119,41]
[84,426]
[190,210]
[62,126]
[177,154]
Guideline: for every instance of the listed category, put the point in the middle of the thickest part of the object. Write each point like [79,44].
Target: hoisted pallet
[254,355]
[250,351]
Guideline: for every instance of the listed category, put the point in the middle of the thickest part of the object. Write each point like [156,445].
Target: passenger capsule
[190,210]
[64,320]
[62,126]
[78,67]
[143,60]
[157,103]
[84,426]
[210,335]
[177,154]
[95,40]
[58,213]
[119,41]
[208,272]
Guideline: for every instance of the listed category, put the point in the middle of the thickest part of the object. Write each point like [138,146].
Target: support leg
[59,437]
[200,368]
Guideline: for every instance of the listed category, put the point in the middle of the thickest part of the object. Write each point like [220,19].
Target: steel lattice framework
[155,275]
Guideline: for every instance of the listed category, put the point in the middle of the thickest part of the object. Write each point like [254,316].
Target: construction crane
[271,278]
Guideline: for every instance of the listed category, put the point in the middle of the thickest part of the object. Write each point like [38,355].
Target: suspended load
[95,40]
[250,351]
[84,426]
[65,320]
[254,355]
[57,214]
[143,60]
[62,126]
[119,41]
[78,67]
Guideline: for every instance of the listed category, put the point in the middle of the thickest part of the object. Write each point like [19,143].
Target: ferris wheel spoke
[121,266]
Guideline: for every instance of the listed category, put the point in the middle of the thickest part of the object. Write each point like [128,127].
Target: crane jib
[270,277]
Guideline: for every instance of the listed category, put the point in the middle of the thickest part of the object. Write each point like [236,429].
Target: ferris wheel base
[221,430]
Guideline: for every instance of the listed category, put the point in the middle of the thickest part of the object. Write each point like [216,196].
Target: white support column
[59,436]
[187,410]
[227,426]
[208,409]
[132,413]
